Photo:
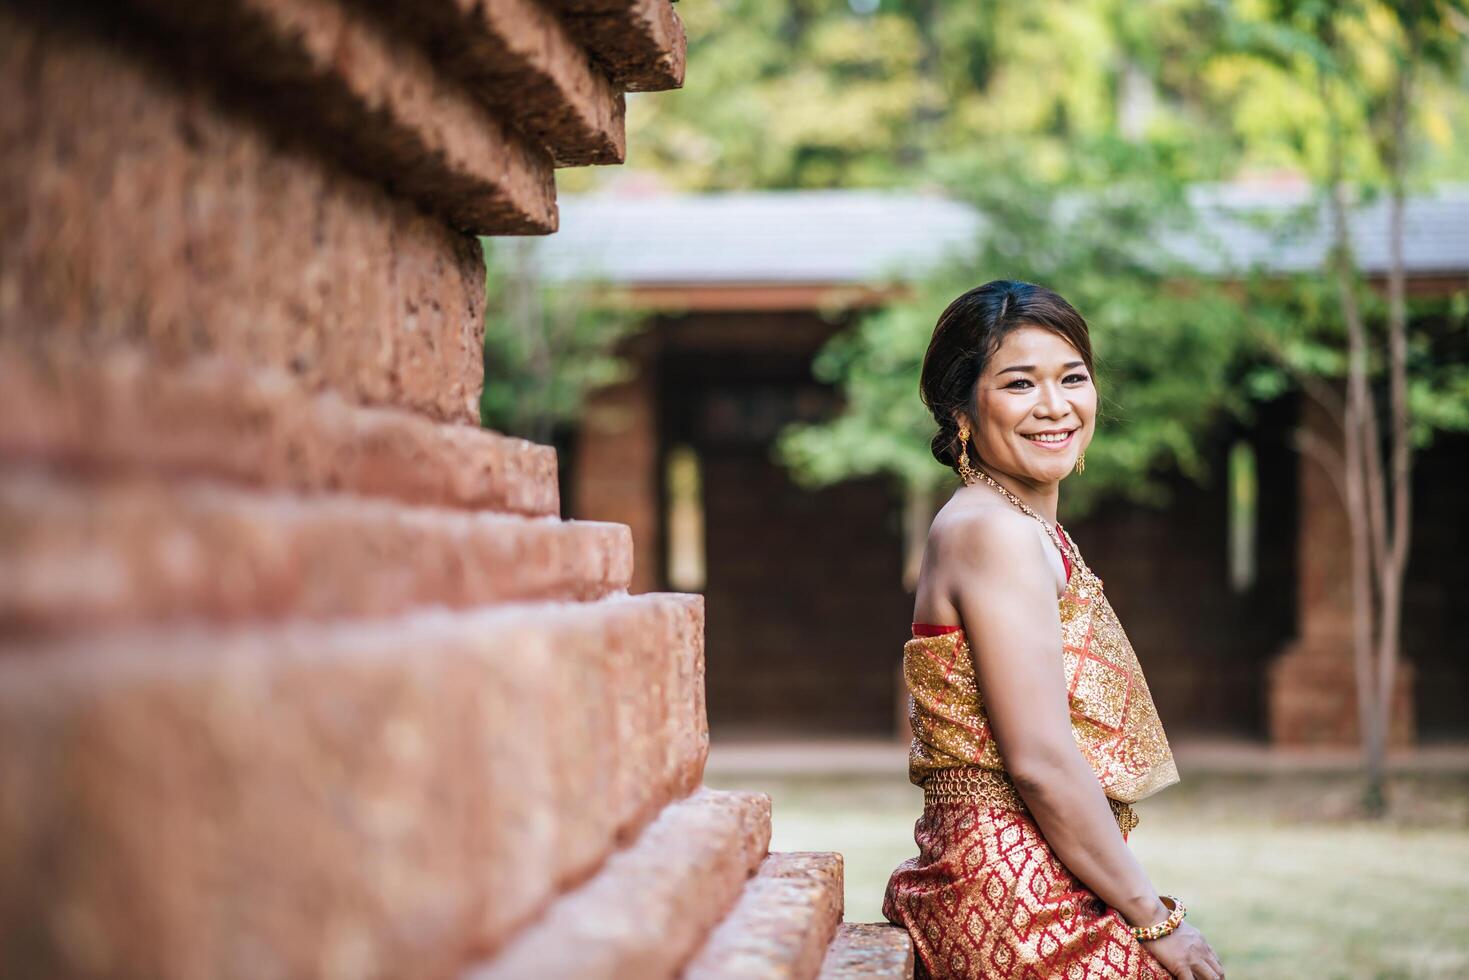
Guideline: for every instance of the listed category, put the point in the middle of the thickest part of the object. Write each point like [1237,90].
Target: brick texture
[649,908]
[350,801]
[300,673]
[125,412]
[518,58]
[375,101]
[782,923]
[641,43]
[869,950]
[78,554]
[133,210]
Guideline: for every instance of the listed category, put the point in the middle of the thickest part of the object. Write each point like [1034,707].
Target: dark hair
[967,335]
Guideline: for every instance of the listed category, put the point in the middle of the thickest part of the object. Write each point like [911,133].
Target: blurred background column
[1312,685]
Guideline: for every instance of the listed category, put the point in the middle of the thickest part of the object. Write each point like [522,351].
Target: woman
[1033,728]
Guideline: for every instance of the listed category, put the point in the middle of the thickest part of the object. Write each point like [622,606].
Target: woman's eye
[1020,384]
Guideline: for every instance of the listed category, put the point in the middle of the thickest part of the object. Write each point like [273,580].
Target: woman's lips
[1048,440]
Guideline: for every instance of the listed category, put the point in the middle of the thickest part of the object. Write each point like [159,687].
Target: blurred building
[1237,603]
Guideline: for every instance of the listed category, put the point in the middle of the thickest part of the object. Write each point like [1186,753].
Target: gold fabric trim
[994,787]
[1113,719]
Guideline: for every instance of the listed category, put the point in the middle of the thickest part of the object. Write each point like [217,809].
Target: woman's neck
[1039,497]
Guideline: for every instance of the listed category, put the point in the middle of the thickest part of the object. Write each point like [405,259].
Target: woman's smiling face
[1037,407]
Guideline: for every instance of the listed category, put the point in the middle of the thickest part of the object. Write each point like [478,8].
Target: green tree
[832,94]
[1363,64]
[879,93]
[546,345]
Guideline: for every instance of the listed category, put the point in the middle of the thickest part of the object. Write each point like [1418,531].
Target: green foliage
[815,94]
[1348,63]
[1296,321]
[801,93]
[1072,202]
[884,427]
[1291,70]
[546,346]
[788,95]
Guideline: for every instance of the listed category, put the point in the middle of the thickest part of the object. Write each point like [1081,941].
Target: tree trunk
[1363,476]
[1393,564]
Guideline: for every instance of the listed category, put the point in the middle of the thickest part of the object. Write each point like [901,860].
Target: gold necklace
[1025,508]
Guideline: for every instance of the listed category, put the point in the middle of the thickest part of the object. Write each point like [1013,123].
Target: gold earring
[966,472]
[1080,462]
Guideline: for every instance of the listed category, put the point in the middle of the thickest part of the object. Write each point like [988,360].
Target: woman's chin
[1050,470]
[1037,474]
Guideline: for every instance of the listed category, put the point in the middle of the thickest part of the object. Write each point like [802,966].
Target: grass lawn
[1279,871]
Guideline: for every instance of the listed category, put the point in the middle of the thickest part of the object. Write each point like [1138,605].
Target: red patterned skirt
[986,897]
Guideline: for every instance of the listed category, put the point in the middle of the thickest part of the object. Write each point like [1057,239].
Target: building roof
[763,237]
[1435,230]
[863,237]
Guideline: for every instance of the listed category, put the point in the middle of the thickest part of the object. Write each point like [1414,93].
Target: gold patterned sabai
[1113,719]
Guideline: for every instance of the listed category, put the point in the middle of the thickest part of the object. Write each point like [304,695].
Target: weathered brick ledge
[123,412]
[402,793]
[87,554]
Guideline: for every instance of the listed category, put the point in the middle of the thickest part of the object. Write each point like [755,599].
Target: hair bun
[945,444]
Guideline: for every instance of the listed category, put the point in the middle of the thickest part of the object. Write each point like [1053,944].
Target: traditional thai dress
[986,896]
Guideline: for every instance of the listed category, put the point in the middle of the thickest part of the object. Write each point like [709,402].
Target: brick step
[781,925]
[652,905]
[238,245]
[77,554]
[371,97]
[640,43]
[126,412]
[518,58]
[869,951]
[377,799]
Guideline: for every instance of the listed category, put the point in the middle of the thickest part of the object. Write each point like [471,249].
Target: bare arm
[1005,591]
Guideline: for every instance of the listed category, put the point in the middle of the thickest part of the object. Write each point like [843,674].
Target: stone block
[124,412]
[649,908]
[89,554]
[356,800]
[134,212]
[371,98]
[782,924]
[519,59]
[863,950]
[612,735]
[641,43]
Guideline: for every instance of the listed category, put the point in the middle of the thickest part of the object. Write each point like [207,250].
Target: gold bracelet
[1177,910]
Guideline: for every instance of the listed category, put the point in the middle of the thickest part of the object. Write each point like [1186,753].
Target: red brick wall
[299,675]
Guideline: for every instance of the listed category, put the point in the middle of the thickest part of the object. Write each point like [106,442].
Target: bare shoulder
[983,556]
[977,537]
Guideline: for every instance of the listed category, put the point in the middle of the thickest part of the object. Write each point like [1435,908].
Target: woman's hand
[1185,954]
